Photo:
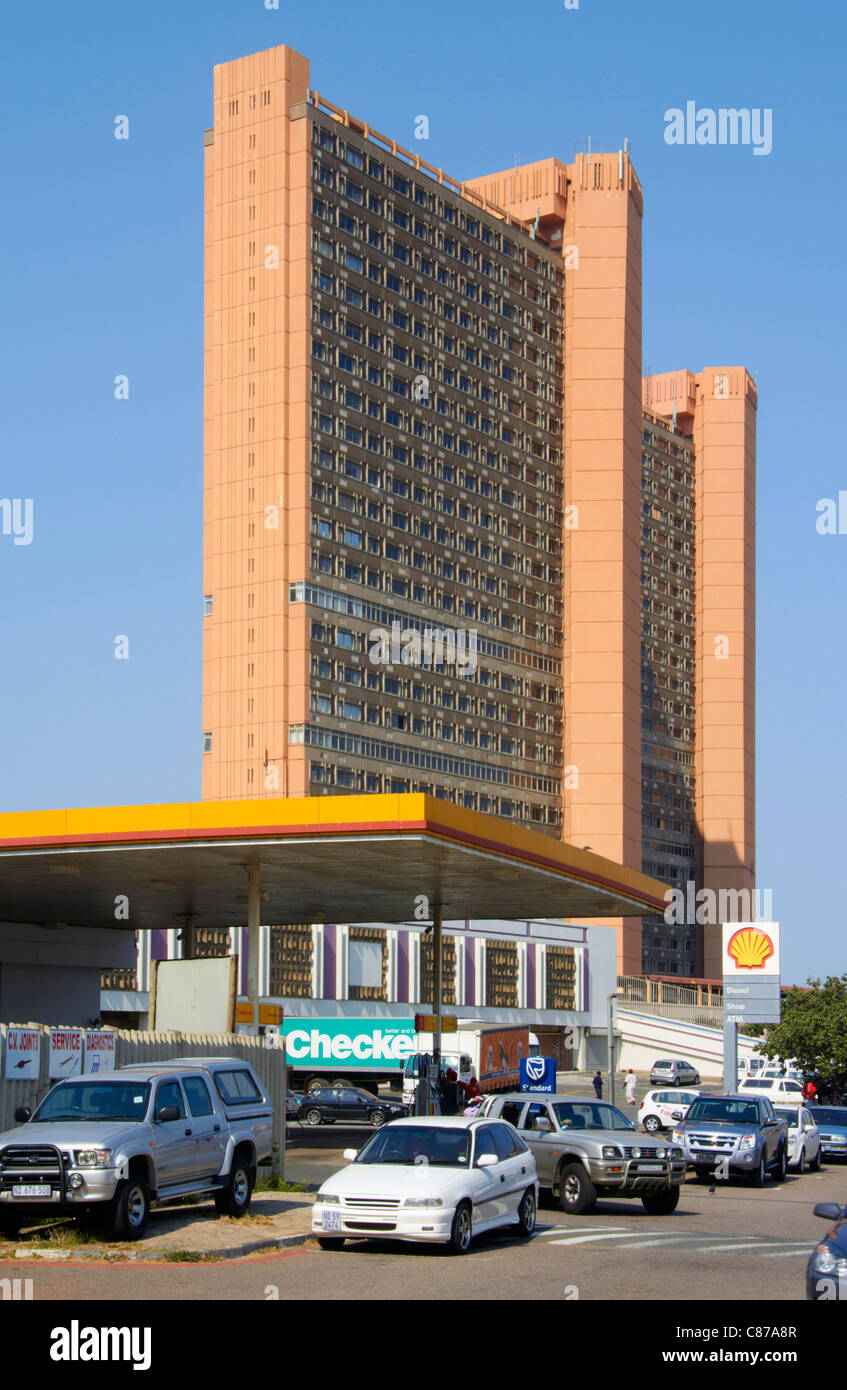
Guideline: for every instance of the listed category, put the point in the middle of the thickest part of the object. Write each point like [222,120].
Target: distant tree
[813,1029]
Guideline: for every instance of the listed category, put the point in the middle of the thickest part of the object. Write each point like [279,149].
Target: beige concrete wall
[257,423]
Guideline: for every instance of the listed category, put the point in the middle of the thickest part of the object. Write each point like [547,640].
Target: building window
[207,743]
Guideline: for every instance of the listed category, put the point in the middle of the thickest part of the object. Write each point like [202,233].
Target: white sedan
[804,1138]
[441,1178]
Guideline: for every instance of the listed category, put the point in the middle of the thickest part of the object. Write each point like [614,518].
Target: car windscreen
[828,1115]
[95,1100]
[579,1114]
[438,1146]
[734,1112]
[792,1115]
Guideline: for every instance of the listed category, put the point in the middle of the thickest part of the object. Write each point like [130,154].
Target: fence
[132,1046]
[686,1003]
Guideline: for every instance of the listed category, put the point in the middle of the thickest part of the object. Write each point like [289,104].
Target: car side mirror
[166,1113]
[539,1123]
[486,1161]
[22,1114]
[677,1114]
[830,1211]
[350,1154]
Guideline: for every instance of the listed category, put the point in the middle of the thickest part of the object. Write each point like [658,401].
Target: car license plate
[31,1189]
[650,1168]
[331,1220]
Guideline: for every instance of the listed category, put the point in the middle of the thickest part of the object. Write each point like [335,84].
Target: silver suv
[585,1149]
[102,1147]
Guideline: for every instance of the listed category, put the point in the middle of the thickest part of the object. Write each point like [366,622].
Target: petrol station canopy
[321,859]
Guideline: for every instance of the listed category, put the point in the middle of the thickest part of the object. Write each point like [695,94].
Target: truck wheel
[661,1203]
[234,1199]
[779,1173]
[461,1231]
[127,1214]
[652,1124]
[312,1116]
[761,1173]
[316,1083]
[577,1192]
[526,1214]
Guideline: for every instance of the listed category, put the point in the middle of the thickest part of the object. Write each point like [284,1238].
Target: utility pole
[437,992]
[610,1002]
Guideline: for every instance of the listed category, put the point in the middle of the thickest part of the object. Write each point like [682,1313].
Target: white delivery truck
[491,1052]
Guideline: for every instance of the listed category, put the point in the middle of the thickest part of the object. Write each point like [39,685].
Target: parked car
[751,1066]
[292,1104]
[350,1105]
[441,1178]
[660,1109]
[804,1138]
[585,1149]
[103,1147]
[741,1130]
[831,1120]
[780,1090]
[674,1073]
[826,1272]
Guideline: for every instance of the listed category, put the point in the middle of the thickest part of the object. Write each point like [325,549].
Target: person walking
[629,1087]
[597,1082]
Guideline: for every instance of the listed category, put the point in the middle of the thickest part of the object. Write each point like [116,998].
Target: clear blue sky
[102,249]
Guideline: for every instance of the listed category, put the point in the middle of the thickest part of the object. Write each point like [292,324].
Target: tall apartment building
[424,467]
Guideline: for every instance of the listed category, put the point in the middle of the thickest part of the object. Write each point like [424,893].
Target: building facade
[425,566]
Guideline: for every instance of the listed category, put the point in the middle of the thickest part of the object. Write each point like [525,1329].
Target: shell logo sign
[750,948]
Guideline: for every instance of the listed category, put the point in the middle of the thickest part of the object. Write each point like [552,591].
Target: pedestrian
[597,1083]
[472,1090]
[450,1093]
[629,1087]
[810,1092]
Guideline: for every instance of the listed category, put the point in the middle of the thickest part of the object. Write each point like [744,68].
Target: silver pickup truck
[585,1149]
[734,1136]
[103,1147]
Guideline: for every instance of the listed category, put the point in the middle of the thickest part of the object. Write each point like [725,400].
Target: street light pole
[437,992]
[610,1045]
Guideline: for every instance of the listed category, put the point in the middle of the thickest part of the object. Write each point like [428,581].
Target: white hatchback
[442,1178]
[660,1109]
[804,1138]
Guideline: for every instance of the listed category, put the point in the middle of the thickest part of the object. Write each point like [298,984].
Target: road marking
[581,1240]
[575,1230]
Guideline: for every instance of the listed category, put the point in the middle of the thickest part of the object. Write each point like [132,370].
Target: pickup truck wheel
[526,1214]
[661,1203]
[652,1124]
[127,1214]
[461,1232]
[577,1192]
[234,1199]
[312,1116]
[779,1173]
[761,1173]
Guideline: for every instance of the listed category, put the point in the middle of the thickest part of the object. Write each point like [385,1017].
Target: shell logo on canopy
[750,948]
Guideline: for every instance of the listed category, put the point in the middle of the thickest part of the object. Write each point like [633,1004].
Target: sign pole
[730,1054]
[436,1002]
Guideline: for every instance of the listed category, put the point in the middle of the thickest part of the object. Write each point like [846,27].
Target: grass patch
[275,1183]
[191,1257]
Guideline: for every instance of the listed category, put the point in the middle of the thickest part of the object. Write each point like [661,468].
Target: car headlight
[747,1141]
[92,1158]
[423,1202]
[678,1136]
[327,1197]
[824,1261]
[611,1151]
